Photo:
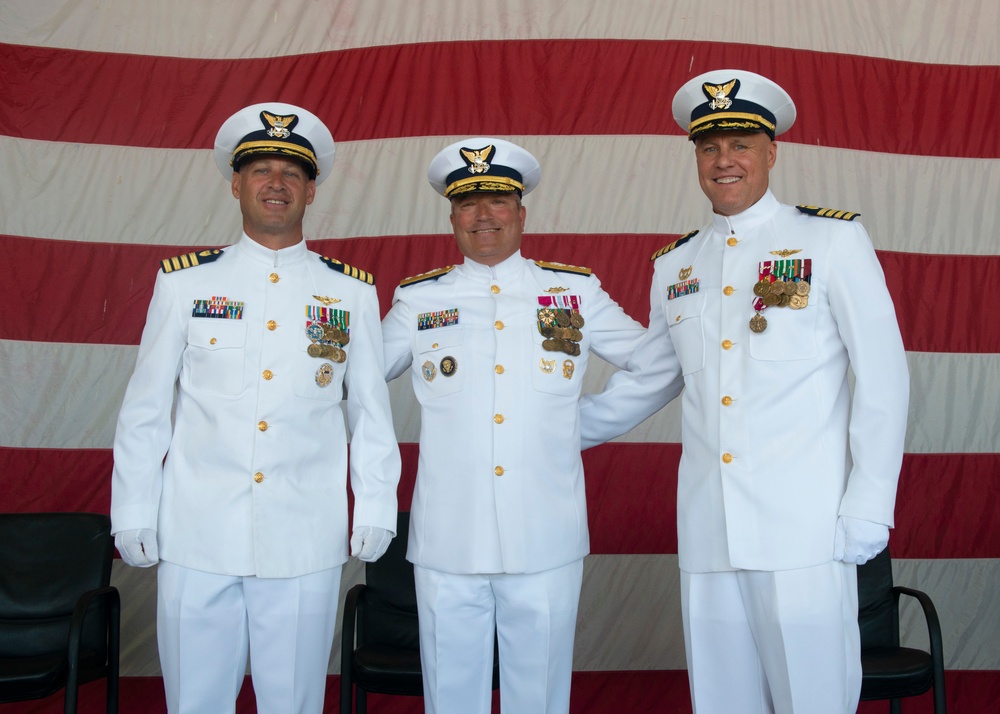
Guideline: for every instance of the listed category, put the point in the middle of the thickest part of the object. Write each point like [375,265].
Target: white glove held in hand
[859,541]
[138,547]
[369,543]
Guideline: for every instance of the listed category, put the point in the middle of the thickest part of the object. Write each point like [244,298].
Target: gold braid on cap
[499,184]
[757,119]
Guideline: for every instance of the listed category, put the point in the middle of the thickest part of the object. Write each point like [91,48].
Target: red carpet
[647,692]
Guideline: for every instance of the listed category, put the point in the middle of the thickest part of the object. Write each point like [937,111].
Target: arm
[614,335]
[144,429]
[866,321]
[652,377]
[396,339]
[375,461]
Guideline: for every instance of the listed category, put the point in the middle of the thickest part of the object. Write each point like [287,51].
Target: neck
[275,241]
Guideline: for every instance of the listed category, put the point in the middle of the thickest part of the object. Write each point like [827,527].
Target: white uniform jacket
[254,480]
[500,480]
[773,448]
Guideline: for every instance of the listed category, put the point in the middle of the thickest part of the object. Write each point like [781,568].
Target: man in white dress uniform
[786,482]
[497,348]
[231,447]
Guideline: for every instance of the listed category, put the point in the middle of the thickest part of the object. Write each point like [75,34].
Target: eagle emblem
[720,94]
[478,159]
[280,126]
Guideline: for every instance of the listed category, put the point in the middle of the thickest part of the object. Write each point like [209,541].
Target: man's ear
[236,184]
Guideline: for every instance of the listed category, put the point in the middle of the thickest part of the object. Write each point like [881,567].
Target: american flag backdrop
[108,110]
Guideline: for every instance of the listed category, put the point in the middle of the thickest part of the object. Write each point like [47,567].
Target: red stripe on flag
[554,87]
[106,287]
[945,507]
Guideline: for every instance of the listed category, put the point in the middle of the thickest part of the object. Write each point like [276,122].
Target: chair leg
[362,701]
[895,706]
[345,694]
[940,707]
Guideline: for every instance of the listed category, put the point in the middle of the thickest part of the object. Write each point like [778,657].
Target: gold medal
[761,288]
[802,288]
[337,355]
[551,345]
[797,302]
[562,333]
[315,350]
[570,348]
[758,323]
[770,299]
[776,288]
[783,300]
[335,334]
[576,319]
[562,319]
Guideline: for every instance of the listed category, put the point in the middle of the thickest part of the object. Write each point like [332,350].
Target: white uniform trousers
[534,615]
[205,623]
[784,642]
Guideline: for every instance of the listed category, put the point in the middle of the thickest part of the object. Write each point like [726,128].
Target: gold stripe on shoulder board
[349,270]
[563,268]
[189,260]
[429,275]
[828,212]
[676,244]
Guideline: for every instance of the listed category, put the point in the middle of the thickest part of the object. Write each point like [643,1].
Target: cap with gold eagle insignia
[732,100]
[189,260]
[828,212]
[482,165]
[274,128]
[677,243]
[362,275]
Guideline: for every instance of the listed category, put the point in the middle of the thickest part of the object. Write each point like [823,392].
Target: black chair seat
[891,672]
[388,670]
[32,677]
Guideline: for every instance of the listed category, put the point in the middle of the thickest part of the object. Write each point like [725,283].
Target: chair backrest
[878,615]
[47,560]
[388,613]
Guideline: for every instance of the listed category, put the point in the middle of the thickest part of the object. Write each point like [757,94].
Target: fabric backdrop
[107,115]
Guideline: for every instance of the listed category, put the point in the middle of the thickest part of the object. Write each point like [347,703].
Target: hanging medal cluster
[329,331]
[560,323]
[780,283]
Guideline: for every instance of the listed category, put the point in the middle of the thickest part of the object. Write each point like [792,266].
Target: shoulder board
[676,244]
[189,260]
[828,213]
[348,270]
[563,268]
[429,275]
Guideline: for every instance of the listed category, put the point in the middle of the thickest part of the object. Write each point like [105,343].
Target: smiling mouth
[728,180]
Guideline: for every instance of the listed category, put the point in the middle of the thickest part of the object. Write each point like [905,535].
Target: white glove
[138,547]
[859,541]
[369,543]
